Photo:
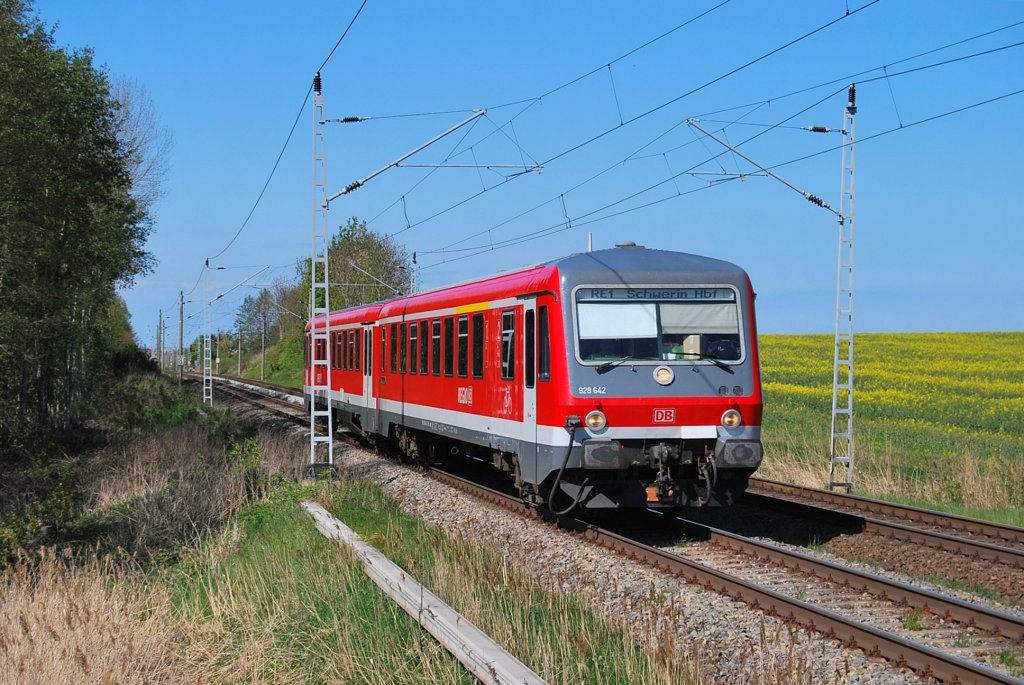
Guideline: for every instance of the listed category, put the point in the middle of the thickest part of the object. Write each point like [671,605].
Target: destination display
[655,294]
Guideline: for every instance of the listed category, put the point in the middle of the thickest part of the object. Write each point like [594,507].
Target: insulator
[813,199]
[351,120]
[853,94]
[317,83]
[818,129]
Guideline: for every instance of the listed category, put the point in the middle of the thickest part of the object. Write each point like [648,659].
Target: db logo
[664,416]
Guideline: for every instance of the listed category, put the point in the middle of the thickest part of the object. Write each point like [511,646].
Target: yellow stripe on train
[470,308]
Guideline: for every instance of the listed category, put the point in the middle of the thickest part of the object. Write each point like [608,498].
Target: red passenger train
[617,378]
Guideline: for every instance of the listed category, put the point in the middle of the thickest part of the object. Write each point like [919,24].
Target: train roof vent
[629,244]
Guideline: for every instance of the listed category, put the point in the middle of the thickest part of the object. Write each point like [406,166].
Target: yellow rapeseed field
[939,416]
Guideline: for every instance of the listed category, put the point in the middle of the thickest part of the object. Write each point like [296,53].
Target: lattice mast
[319,293]
[160,342]
[207,353]
[181,336]
[842,452]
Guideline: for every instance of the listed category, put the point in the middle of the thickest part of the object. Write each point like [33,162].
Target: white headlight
[596,420]
[731,418]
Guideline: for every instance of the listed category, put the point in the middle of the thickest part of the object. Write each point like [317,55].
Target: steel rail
[924,660]
[965,613]
[779,500]
[268,404]
[988,529]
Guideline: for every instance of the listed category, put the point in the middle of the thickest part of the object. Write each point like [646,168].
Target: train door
[528,445]
[369,392]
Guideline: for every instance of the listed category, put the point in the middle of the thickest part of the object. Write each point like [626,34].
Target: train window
[403,342]
[413,353]
[543,346]
[424,347]
[449,346]
[463,346]
[334,347]
[320,350]
[383,348]
[530,348]
[435,347]
[345,347]
[508,344]
[394,348]
[478,346]
[678,323]
[355,354]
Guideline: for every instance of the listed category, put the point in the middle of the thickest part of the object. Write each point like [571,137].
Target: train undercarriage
[660,475]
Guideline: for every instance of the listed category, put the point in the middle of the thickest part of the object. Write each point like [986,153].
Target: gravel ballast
[726,641]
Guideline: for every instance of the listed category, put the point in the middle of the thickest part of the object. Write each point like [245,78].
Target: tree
[71,230]
[364,267]
[147,146]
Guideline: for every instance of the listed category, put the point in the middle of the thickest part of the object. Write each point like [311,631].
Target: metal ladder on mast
[207,356]
[842,452]
[320,411]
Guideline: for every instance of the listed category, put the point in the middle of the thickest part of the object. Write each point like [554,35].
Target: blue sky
[937,203]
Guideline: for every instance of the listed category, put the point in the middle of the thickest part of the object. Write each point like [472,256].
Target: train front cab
[663,403]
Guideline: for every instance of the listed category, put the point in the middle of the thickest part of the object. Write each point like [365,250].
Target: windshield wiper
[717,362]
[612,362]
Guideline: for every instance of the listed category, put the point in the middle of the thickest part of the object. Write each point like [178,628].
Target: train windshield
[657,324]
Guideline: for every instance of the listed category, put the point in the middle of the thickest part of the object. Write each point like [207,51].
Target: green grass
[272,578]
[913,619]
[284,361]
[1011,660]
[973,588]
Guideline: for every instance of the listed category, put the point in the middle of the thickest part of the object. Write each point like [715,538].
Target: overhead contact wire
[559,227]
[530,102]
[759,104]
[291,132]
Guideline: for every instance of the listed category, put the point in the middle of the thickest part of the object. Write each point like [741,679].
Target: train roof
[632,264]
[626,263]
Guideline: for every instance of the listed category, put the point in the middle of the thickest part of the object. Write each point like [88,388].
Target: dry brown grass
[283,452]
[64,620]
[160,494]
[968,480]
[92,618]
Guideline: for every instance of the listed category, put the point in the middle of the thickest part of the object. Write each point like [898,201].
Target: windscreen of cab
[657,324]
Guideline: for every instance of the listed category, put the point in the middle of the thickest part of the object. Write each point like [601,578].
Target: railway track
[924,659]
[857,608]
[990,531]
[950,532]
[273,405]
